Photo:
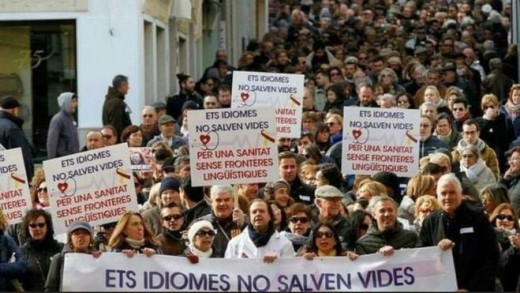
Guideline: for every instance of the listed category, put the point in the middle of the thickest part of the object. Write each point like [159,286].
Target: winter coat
[199,210]
[475,253]
[487,155]
[514,121]
[498,135]
[223,229]
[38,258]
[177,141]
[174,104]
[53,282]
[479,174]
[170,244]
[10,270]
[115,111]
[152,218]
[243,247]
[375,239]
[430,145]
[12,136]
[513,186]
[62,138]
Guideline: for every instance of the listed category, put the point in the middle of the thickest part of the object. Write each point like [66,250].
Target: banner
[15,196]
[229,146]
[377,140]
[284,92]
[96,186]
[421,269]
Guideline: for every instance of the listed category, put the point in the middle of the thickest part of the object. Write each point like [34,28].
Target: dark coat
[174,104]
[115,111]
[201,209]
[223,229]
[476,250]
[12,136]
[430,145]
[171,243]
[126,246]
[374,239]
[9,270]
[53,282]
[302,192]
[62,138]
[38,257]
[513,186]
[497,134]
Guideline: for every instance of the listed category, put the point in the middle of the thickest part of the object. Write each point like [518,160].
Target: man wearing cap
[260,239]
[149,126]
[167,128]
[328,208]
[169,192]
[11,133]
[62,138]
[385,234]
[115,111]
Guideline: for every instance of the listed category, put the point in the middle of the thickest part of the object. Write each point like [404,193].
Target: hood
[64,101]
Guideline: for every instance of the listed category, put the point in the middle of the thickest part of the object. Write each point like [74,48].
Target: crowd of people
[451,60]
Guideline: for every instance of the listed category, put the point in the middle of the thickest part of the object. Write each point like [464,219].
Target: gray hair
[449,178]
[473,149]
[218,189]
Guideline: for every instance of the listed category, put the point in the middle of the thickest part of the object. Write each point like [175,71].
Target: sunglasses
[458,109]
[327,234]
[295,220]
[203,233]
[43,189]
[39,225]
[174,217]
[330,123]
[506,217]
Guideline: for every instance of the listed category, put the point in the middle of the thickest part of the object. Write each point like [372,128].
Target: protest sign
[377,140]
[140,159]
[15,196]
[284,92]
[96,186]
[229,146]
[421,269]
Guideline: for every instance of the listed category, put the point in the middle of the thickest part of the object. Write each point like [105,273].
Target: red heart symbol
[204,138]
[193,258]
[357,133]
[244,96]
[62,186]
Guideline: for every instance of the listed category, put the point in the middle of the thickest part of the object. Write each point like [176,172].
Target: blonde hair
[429,200]
[435,91]
[488,99]
[118,236]
[418,185]
[4,223]
[375,188]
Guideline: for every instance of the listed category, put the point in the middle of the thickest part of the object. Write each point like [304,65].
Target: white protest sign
[377,139]
[229,146]
[15,197]
[96,186]
[421,269]
[284,92]
[140,158]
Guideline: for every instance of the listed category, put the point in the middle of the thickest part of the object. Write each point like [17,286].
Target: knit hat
[271,187]
[196,227]
[64,100]
[170,183]
[79,225]
[9,102]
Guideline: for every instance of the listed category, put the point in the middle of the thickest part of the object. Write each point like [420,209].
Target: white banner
[15,196]
[421,269]
[96,186]
[229,146]
[284,92]
[377,139]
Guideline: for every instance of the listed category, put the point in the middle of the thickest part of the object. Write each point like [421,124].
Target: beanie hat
[9,102]
[170,183]
[196,227]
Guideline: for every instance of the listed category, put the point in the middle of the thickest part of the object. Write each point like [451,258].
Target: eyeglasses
[203,233]
[174,217]
[42,189]
[106,136]
[506,217]
[327,234]
[39,225]
[458,109]
[147,115]
[295,220]
[331,123]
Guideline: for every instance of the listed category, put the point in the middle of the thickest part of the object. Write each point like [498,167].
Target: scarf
[512,109]
[260,238]
[175,235]
[480,144]
[330,253]
[445,138]
[474,171]
[135,244]
[296,239]
[199,253]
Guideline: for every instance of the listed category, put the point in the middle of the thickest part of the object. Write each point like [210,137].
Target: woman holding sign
[132,236]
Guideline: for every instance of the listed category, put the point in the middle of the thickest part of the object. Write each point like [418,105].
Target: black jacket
[476,250]
[12,136]
[375,239]
[115,111]
[199,210]
[302,192]
[174,104]
[38,259]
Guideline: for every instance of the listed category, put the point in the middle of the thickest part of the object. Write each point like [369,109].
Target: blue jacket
[9,270]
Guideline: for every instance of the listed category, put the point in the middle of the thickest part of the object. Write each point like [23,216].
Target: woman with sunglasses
[505,221]
[132,236]
[299,224]
[39,249]
[325,242]
[40,195]
[200,236]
